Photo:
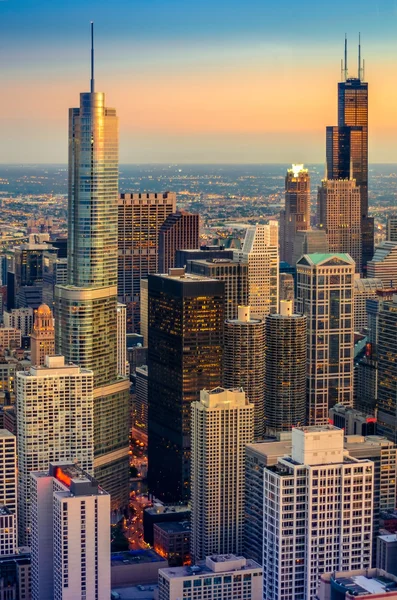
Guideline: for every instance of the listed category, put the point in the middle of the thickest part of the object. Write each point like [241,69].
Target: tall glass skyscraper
[86,308]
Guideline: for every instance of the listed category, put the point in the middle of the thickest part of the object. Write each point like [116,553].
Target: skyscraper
[244,361]
[140,217]
[42,339]
[86,308]
[363,290]
[285,380]
[329,528]
[179,231]
[8,469]
[384,264]
[296,215]
[325,296]
[387,370]
[347,146]
[222,425]
[339,212]
[186,314]
[391,230]
[260,251]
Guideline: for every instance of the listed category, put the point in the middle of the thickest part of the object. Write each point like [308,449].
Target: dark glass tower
[347,146]
[185,331]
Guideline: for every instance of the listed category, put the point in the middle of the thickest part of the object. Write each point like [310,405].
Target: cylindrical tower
[285,381]
[244,361]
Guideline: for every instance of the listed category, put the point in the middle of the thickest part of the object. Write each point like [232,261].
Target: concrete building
[373,584]
[222,425]
[352,421]
[70,535]
[140,217]
[8,470]
[364,289]
[141,399]
[234,275]
[180,230]
[391,229]
[244,361]
[55,422]
[384,264]
[10,338]
[317,513]
[386,553]
[143,310]
[15,577]
[182,256]
[387,370]
[8,532]
[287,287]
[309,242]
[42,339]
[227,577]
[325,296]
[338,212]
[172,542]
[160,513]
[55,272]
[19,318]
[122,363]
[285,379]
[260,251]
[296,215]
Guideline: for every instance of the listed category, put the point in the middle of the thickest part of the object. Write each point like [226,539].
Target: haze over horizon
[222,83]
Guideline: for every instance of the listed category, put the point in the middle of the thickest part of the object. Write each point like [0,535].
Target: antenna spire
[345,69]
[92,59]
[359,55]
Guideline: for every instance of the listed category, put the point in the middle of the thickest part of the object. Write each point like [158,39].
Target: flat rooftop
[159,509]
[202,569]
[174,526]
[361,585]
[135,557]
[269,452]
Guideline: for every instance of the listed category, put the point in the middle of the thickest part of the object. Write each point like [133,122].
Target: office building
[55,272]
[339,203]
[140,217]
[182,256]
[8,368]
[8,532]
[220,576]
[160,513]
[8,470]
[19,318]
[347,147]
[244,361]
[287,287]
[233,273]
[391,228]
[10,338]
[387,370]
[186,315]
[144,309]
[309,242]
[317,514]
[15,577]
[296,215]
[352,421]
[222,425]
[383,265]
[285,379]
[86,308]
[42,339]
[172,542]
[55,410]
[257,457]
[122,363]
[386,554]
[325,296]
[373,584]
[141,399]
[260,251]
[70,535]
[180,230]
[364,289]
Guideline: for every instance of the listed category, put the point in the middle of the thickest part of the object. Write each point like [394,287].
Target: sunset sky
[195,81]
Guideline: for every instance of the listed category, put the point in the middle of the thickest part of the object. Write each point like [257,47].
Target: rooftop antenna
[345,69]
[92,58]
[359,56]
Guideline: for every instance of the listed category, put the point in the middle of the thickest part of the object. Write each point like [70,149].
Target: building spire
[92,59]
[345,64]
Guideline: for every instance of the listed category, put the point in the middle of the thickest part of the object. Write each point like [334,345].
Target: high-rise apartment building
[186,314]
[391,228]
[384,264]
[222,425]
[325,295]
[296,215]
[260,251]
[8,533]
[55,272]
[20,318]
[8,470]
[70,535]
[42,339]
[285,379]
[10,338]
[287,286]
[364,289]
[244,361]
[55,409]
[86,308]
[387,370]
[140,217]
[317,509]
[339,213]
[180,230]
[233,273]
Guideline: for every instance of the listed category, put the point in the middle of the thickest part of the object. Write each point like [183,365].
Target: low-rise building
[172,542]
[371,583]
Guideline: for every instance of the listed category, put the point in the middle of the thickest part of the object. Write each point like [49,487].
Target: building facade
[387,370]
[42,339]
[309,242]
[364,289]
[8,468]
[325,296]
[180,230]
[383,265]
[222,425]
[391,229]
[296,215]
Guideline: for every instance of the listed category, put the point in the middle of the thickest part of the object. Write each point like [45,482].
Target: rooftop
[362,584]
[160,509]
[174,526]
[317,258]
[134,557]
[219,563]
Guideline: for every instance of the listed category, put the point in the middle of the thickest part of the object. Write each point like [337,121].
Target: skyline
[243,85]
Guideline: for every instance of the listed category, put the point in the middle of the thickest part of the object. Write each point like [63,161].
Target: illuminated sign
[62,477]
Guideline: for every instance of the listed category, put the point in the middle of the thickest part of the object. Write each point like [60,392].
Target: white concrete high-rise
[70,535]
[317,514]
[55,414]
[222,425]
[260,251]
[325,296]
